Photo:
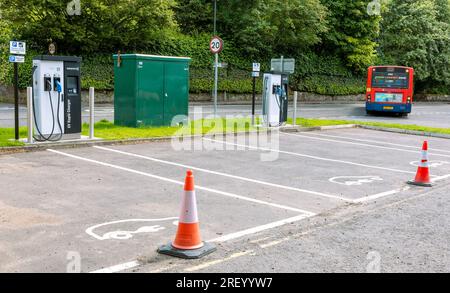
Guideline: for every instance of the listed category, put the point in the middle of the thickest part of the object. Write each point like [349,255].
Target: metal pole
[216,82]
[91,112]
[294,117]
[254,100]
[216,63]
[215,17]
[30,114]
[16,100]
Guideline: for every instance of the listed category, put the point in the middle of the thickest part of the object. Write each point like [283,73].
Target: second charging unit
[275,99]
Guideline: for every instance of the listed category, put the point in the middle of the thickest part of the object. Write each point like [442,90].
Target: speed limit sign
[216,45]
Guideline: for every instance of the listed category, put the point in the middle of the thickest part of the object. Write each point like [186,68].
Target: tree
[443,10]
[103,26]
[352,32]
[5,37]
[264,28]
[415,37]
[194,16]
[300,24]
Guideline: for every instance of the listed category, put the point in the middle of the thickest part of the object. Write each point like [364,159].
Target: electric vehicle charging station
[56,98]
[275,99]
[276,92]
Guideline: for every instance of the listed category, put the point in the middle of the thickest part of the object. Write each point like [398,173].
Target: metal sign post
[216,46]
[255,74]
[16,48]
[216,82]
[16,101]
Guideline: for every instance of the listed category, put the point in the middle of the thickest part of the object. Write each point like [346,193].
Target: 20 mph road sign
[216,45]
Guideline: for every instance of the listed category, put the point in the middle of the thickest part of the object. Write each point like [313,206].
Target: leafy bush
[98,72]
[329,85]
[326,75]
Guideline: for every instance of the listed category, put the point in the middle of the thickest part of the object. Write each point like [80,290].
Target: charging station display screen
[72,85]
[390,79]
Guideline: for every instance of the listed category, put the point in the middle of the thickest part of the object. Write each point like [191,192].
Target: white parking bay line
[259,228]
[118,268]
[310,157]
[378,142]
[361,144]
[226,175]
[380,195]
[227,194]
[440,178]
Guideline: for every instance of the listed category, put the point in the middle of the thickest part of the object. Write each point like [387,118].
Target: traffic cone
[423,172]
[188,243]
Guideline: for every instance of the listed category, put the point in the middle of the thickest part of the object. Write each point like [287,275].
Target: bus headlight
[409,100]
[369,98]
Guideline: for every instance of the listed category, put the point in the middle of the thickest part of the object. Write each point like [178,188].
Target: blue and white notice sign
[17,48]
[16,59]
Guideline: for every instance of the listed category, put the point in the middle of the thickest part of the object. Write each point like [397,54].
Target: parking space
[115,204]
[404,149]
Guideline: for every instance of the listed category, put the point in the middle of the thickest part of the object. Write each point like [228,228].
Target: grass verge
[108,131]
[322,122]
[8,133]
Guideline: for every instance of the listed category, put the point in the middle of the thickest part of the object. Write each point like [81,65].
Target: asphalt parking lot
[302,202]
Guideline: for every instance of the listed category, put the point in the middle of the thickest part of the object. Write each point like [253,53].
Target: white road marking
[227,194]
[432,164]
[90,230]
[118,268]
[311,157]
[227,175]
[260,228]
[362,144]
[440,178]
[375,141]
[380,195]
[354,180]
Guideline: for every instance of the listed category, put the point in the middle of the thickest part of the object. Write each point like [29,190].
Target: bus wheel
[369,112]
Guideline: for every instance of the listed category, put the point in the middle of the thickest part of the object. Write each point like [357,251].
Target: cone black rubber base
[420,184]
[187,254]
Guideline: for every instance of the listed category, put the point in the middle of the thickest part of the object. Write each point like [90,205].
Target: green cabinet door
[176,95]
[150,100]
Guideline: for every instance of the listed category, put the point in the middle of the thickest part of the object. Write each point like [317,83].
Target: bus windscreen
[393,78]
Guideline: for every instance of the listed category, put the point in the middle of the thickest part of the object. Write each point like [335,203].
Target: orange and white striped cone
[188,243]
[423,172]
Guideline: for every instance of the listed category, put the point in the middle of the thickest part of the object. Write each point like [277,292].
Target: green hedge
[325,75]
[98,72]
[331,85]
[314,73]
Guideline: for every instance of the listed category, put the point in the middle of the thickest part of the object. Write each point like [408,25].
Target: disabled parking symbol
[355,180]
[116,231]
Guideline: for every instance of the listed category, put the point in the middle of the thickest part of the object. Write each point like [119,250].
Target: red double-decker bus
[390,89]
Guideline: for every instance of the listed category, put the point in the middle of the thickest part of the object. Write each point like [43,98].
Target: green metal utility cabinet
[150,90]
